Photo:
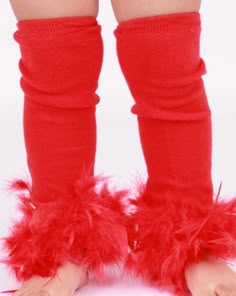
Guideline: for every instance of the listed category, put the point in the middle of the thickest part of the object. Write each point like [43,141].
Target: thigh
[130,9]
[38,9]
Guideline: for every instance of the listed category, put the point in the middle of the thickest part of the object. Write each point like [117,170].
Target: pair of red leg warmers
[176,221]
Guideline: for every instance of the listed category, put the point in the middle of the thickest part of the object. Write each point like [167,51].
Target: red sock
[64,214]
[160,59]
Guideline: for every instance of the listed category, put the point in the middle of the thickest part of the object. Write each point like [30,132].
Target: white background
[119,152]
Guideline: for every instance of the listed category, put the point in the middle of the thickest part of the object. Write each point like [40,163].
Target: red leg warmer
[66,216]
[176,221]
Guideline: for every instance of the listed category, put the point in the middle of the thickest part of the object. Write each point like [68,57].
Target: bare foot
[70,277]
[211,278]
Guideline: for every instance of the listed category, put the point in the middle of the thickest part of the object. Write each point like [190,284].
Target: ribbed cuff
[46,27]
[179,22]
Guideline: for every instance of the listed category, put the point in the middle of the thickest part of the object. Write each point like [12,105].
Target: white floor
[119,152]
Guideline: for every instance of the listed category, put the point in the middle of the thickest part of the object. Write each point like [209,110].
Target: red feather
[85,226]
[165,239]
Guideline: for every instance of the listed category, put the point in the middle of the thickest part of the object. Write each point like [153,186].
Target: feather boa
[164,240]
[85,226]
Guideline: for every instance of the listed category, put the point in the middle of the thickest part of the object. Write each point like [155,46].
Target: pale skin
[207,278]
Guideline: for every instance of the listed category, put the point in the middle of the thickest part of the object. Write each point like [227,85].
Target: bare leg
[126,10]
[27,9]
[69,276]
[209,277]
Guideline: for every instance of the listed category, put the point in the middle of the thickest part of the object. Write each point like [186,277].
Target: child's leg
[28,10]
[68,226]
[176,223]
[127,10]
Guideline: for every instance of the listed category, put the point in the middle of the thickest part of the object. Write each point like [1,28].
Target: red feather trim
[165,239]
[85,226]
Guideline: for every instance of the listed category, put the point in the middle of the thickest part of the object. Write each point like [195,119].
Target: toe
[17,293]
[43,293]
[23,292]
[223,290]
[204,292]
[40,293]
[233,289]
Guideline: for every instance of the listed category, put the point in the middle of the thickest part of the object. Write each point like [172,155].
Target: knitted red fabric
[176,221]
[60,65]
[68,214]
